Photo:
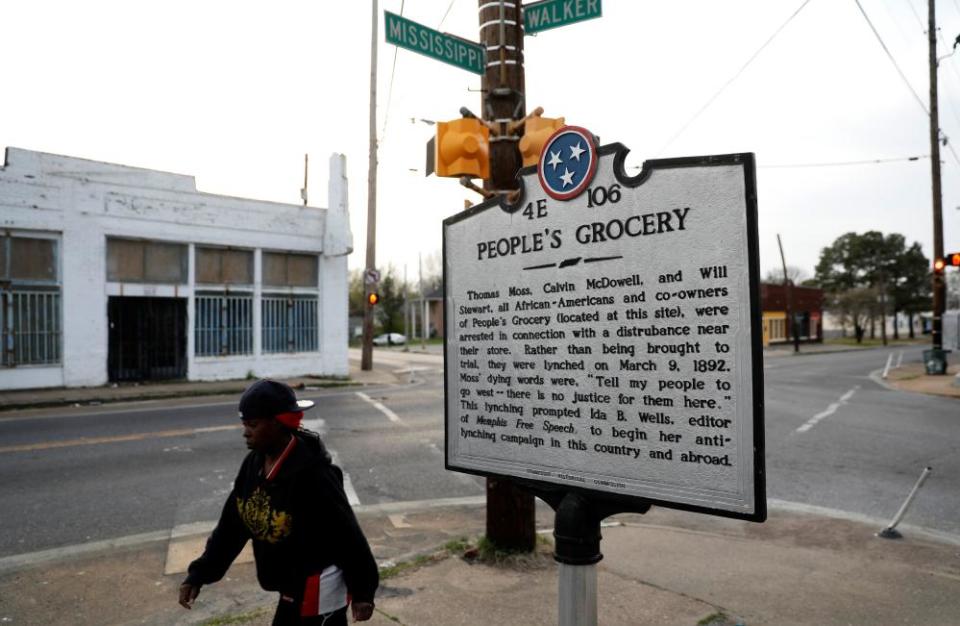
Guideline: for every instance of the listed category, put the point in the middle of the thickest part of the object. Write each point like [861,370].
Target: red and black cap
[271,398]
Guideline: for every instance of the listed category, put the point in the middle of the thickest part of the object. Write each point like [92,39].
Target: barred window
[224,324]
[30,318]
[289,323]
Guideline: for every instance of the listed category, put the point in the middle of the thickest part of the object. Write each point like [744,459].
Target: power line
[845,163]
[444,18]
[733,78]
[393,70]
[923,27]
[892,60]
[950,147]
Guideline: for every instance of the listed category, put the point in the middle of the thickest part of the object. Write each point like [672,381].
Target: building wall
[84,202]
[807,304]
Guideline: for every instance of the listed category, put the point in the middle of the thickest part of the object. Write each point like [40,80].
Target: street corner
[913,377]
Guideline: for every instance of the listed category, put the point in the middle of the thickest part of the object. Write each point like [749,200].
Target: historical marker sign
[440,46]
[541,16]
[610,341]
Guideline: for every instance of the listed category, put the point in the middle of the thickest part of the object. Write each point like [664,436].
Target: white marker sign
[604,334]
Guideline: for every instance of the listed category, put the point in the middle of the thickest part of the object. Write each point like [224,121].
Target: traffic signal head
[536,131]
[938,265]
[373,298]
[463,148]
[953,258]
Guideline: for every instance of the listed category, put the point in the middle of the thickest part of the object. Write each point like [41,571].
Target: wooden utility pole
[510,511]
[788,288]
[366,356]
[939,286]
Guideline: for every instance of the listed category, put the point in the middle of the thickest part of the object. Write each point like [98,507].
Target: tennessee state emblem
[567,163]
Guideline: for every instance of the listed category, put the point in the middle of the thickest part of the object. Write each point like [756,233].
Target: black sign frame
[606,501]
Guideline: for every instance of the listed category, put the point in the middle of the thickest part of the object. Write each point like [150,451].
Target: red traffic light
[373,298]
[938,265]
[953,258]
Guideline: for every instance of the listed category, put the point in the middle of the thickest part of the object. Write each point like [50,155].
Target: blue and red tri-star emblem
[567,163]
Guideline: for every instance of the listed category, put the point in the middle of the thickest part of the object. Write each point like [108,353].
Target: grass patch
[480,551]
[457,546]
[716,619]
[407,566]
[242,618]
[867,342]
[487,553]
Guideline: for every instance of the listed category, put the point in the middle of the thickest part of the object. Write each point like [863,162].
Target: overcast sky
[236,92]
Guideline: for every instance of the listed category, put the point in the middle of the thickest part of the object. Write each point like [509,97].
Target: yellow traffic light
[953,258]
[463,148]
[372,298]
[536,132]
[938,265]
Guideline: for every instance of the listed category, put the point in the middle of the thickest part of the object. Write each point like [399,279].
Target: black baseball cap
[269,398]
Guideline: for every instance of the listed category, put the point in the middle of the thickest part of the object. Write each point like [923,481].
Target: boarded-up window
[224,267]
[289,270]
[130,261]
[33,259]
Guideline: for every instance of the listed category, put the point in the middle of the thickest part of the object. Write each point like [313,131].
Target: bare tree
[796,275]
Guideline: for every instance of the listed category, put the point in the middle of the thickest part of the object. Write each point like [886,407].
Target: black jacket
[300,523]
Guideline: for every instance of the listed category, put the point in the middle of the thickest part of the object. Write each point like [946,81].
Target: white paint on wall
[84,202]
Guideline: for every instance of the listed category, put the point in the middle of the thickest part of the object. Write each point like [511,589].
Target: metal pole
[406,310]
[890,532]
[423,307]
[939,286]
[886,368]
[306,163]
[366,357]
[578,595]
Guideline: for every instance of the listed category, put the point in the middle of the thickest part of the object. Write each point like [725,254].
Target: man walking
[288,499]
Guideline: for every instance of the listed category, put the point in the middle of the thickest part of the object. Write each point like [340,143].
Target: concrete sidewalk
[665,567]
[381,374]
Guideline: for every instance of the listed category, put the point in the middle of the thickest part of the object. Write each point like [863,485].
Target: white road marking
[830,410]
[352,496]
[319,426]
[383,409]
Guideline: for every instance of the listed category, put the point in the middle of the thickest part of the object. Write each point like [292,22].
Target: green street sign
[440,46]
[541,16]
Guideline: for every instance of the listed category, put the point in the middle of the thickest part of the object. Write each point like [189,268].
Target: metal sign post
[603,343]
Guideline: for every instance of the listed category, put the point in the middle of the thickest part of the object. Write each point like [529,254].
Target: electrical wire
[733,78]
[923,27]
[892,60]
[393,70]
[844,163]
[444,18]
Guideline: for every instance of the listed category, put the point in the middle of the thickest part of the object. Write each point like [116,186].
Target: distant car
[389,339]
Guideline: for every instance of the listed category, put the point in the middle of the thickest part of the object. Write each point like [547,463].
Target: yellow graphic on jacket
[262,521]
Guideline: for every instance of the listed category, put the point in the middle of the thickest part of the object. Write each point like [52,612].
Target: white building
[113,273]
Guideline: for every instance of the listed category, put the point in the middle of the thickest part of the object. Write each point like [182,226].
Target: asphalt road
[834,439]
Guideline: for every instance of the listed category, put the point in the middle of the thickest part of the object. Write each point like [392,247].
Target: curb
[160,395]
[838,351]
